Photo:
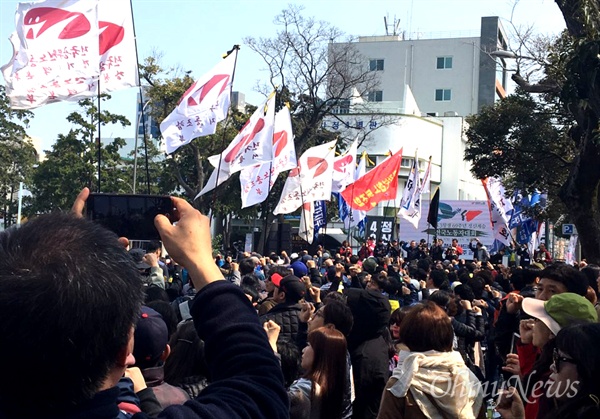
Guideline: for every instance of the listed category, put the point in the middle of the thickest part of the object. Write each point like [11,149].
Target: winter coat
[286,316]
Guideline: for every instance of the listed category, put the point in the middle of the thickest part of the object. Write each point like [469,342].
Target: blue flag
[320,216]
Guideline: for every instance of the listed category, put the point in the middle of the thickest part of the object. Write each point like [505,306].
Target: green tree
[569,94]
[17,156]
[73,161]
[506,138]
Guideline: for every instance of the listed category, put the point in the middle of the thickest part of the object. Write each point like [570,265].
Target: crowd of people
[399,330]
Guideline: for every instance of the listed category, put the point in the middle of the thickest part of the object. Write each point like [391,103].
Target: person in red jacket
[542,255]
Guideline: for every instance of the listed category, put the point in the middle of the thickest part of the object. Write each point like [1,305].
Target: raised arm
[246,377]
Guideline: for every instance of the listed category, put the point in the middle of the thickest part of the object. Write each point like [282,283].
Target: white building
[441,138]
[427,88]
[445,75]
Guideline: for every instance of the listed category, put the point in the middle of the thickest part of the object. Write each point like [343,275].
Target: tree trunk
[580,191]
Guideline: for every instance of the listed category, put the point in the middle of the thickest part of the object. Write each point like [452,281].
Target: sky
[193,34]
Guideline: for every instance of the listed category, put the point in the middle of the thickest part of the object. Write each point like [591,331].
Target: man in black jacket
[367,347]
[412,251]
[288,291]
[70,298]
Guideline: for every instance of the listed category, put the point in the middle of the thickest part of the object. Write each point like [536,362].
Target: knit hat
[561,310]
[150,338]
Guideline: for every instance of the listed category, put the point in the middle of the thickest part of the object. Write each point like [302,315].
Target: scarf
[444,377]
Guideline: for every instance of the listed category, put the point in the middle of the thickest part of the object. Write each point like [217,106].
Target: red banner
[379,184]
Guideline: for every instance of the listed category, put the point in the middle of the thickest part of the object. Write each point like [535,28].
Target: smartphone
[130,216]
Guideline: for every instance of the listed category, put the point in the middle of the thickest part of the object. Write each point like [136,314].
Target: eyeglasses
[557,359]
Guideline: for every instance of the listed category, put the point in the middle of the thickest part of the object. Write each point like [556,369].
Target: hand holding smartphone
[130,216]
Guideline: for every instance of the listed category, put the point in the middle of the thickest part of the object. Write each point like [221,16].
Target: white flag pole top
[344,168]
[310,181]
[56,53]
[499,207]
[257,181]
[201,107]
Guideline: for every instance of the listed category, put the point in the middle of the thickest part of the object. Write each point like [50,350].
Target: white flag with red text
[411,210]
[65,50]
[204,104]
[499,207]
[257,181]
[356,216]
[253,144]
[55,53]
[413,184]
[213,181]
[256,136]
[118,59]
[310,181]
[344,168]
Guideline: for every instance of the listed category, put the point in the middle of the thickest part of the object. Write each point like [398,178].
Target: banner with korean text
[461,220]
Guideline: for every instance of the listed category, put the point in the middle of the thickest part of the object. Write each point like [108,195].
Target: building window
[443,95]
[341,107]
[376,65]
[406,163]
[444,63]
[375,96]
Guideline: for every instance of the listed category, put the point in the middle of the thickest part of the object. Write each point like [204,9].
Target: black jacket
[468,329]
[368,349]
[286,316]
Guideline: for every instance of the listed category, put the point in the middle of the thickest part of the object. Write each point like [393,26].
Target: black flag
[434,205]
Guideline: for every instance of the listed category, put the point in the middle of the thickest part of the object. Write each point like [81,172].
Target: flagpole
[428,224]
[350,209]
[235,48]
[137,60]
[428,180]
[302,212]
[326,220]
[99,135]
